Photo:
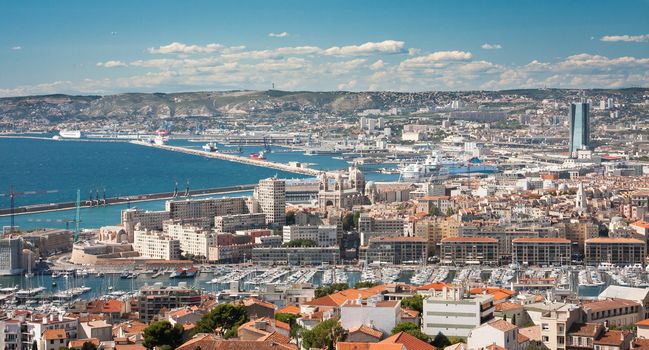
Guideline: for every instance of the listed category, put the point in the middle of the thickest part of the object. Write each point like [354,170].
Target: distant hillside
[148,106]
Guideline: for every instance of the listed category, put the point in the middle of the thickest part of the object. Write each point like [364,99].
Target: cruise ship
[437,165]
[70,134]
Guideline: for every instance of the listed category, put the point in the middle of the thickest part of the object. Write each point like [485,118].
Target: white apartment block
[156,245]
[233,223]
[205,208]
[193,240]
[455,313]
[499,332]
[323,235]
[271,195]
[382,315]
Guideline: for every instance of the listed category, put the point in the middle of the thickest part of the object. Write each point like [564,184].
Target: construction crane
[12,199]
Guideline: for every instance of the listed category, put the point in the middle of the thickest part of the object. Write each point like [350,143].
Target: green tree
[441,341]
[415,302]
[449,211]
[434,211]
[365,284]
[161,333]
[411,329]
[227,317]
[357,216]
[290,218]
[325,333]
[88,346]
[348,221]
[291,319]
[330,289]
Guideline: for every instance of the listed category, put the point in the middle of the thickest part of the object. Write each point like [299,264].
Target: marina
[69,285]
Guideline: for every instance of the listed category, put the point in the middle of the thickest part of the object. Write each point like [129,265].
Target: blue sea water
[118,167]
[125,169]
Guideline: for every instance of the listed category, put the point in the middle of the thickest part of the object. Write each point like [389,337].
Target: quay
[38,208]
[238,159]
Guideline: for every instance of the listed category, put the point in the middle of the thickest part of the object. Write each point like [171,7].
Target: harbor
[87,283]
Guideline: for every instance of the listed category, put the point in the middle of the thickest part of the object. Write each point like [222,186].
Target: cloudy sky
[104,47]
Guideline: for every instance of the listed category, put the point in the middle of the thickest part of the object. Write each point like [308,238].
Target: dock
[234,158]
[39,208]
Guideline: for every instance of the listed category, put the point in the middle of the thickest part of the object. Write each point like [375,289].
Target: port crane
[12,200]
[67,221]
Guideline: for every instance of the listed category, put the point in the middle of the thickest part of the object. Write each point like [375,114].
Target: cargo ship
[210,147]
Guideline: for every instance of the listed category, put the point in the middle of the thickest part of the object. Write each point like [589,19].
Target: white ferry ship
[71,134]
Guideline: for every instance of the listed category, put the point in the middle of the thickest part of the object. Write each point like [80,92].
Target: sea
[122,168]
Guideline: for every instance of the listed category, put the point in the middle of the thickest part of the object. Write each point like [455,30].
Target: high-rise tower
[579,127]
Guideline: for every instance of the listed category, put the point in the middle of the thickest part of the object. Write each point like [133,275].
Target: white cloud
[348,85]
[17,48]
[413,51]
[435,59]
[386,46]
[180,48]
[488,46]
[111,64]
[377,65]
[628,38]
[278,35]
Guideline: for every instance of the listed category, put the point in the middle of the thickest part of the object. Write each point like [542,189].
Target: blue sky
[124,46]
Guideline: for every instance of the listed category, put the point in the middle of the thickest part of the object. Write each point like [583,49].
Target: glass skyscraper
[579,128]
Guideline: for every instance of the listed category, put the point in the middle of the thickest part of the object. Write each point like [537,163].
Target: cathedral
[343,194]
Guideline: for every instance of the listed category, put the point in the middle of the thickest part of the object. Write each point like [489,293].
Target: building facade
[470,250]
[619,251]
[541,251]
[271,195]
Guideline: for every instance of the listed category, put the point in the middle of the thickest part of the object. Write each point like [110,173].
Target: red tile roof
[470,239]
[367,330]
[540,240]
[52,334]
[368,346]
[409,341]
[289,309]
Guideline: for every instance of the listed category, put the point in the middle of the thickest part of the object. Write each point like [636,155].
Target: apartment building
[505,234]
[146,220]
[383,315]
[455,312]
[194,240]
[205,208]
[427,203]
[555,320]
[235,222]
[613,312]
[156,245]
[271,195]
[396,250]
[296,255]
[153,298]
[470,250]
[619,251]
[541,251]
[11,256]
[323,235]
[434,229]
